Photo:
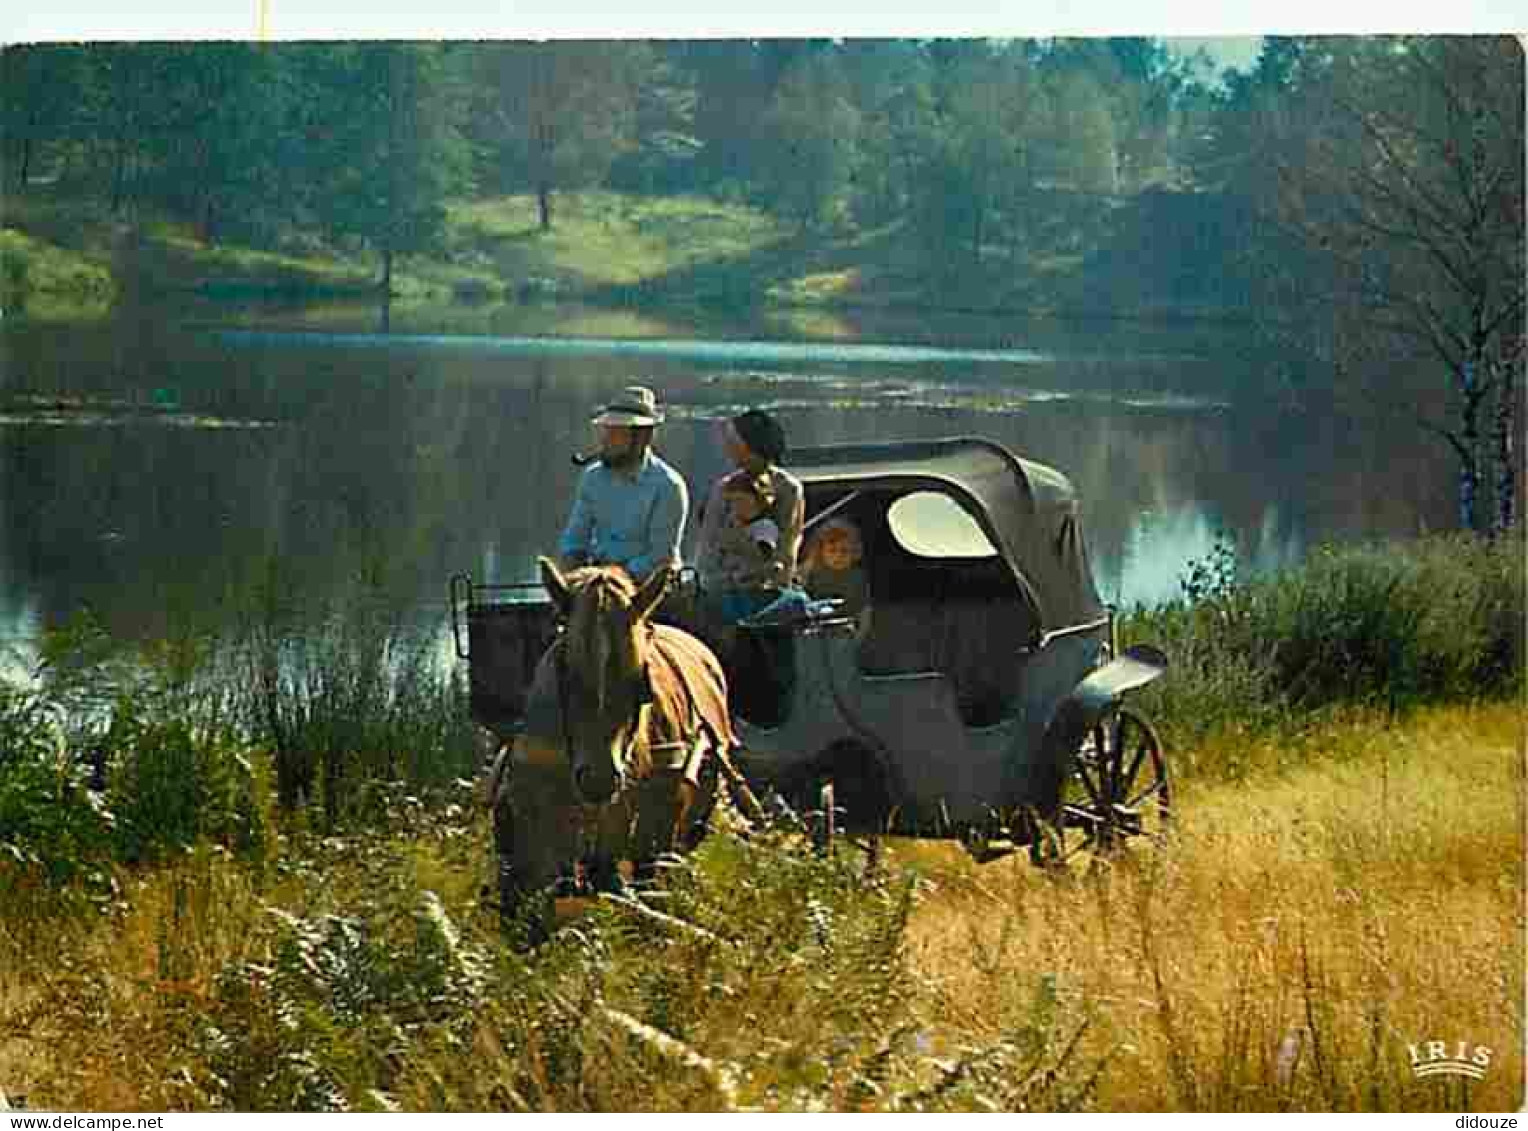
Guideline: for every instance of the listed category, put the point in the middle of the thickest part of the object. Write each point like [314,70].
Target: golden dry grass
[1361,903]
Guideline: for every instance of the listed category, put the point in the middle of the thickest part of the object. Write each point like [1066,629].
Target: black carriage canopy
[1027,511]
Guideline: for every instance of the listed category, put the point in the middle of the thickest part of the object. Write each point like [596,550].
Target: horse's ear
[651,592]
[552,579]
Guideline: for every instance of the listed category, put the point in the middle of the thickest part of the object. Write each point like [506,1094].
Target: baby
[749,503]
[745,547]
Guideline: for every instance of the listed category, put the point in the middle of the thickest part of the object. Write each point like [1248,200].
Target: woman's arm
[790,513]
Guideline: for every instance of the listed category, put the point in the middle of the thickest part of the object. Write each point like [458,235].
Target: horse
[626,736]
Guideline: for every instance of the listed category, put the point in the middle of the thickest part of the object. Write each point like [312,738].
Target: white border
[72,20]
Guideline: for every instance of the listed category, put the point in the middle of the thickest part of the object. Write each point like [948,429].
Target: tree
[811,142]
[385,150]
[40,97]
[979,165]
[559,113]
[125,108]
[890,86]
[1400,166]
[735,82]
[1080,149]
[214,155]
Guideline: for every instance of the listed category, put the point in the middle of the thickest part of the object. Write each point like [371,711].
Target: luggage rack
[504,629]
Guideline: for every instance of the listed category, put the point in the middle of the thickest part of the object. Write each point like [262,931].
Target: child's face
[745,506]
[839,550]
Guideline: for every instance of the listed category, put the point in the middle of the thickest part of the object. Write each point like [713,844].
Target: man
[630,506]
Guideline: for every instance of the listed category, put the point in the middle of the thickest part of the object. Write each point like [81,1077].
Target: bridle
[633,723]
[589,812]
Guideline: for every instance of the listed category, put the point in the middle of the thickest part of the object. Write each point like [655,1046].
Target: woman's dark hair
[762,433]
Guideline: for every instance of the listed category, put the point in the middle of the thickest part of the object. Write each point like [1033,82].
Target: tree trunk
[119,177]
[1506,471]
[25,164]
[386,284]
[1469,452]
[544,204]
[209,221]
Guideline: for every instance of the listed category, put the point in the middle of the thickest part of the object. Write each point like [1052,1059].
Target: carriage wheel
[1118,789]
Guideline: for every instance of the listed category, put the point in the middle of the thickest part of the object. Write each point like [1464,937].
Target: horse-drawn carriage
[981,698]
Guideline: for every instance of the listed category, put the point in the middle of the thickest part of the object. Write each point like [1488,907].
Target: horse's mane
[597,591]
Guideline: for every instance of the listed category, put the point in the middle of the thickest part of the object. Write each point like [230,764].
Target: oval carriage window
[932,525]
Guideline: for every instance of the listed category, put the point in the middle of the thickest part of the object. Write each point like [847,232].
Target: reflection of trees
[1386,174]
[401,466]
[1324,479]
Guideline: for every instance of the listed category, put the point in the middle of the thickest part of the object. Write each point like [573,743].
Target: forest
[1356,201]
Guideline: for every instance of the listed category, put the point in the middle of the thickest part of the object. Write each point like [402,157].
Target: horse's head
[604,671]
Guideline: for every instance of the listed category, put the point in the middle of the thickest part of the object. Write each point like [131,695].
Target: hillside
[606,248]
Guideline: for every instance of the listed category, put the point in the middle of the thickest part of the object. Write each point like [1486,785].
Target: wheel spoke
[1127,779]
[1156,787]
[1116,770]
[1108,762]
[1086,763]
[1095,792]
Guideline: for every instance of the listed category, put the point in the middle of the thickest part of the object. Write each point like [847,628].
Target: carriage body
[983,681]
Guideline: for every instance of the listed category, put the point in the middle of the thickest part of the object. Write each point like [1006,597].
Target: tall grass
[1303,928]
[121,752]
[347,702]
[1391,625]
[1300,934]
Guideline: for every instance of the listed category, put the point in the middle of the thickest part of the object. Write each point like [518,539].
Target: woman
[745,547]
[759,666]
[755,443]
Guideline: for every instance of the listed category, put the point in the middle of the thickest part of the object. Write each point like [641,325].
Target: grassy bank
[42,279]
[1257,662]
[1346,881]
[689,253]
[60,252]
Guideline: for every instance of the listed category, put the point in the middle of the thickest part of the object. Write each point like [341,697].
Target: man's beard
[622,459]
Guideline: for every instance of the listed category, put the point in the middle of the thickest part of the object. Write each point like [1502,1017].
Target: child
[832,566]
[749,501]
[740,579]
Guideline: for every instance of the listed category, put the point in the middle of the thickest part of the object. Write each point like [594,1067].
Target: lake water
[157,466]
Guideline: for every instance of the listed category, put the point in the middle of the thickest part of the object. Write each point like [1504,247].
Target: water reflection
[1161,546]
[397,467]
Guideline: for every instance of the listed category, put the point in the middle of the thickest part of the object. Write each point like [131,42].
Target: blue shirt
[633,518]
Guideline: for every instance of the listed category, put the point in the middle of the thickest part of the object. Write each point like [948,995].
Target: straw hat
[636,406]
